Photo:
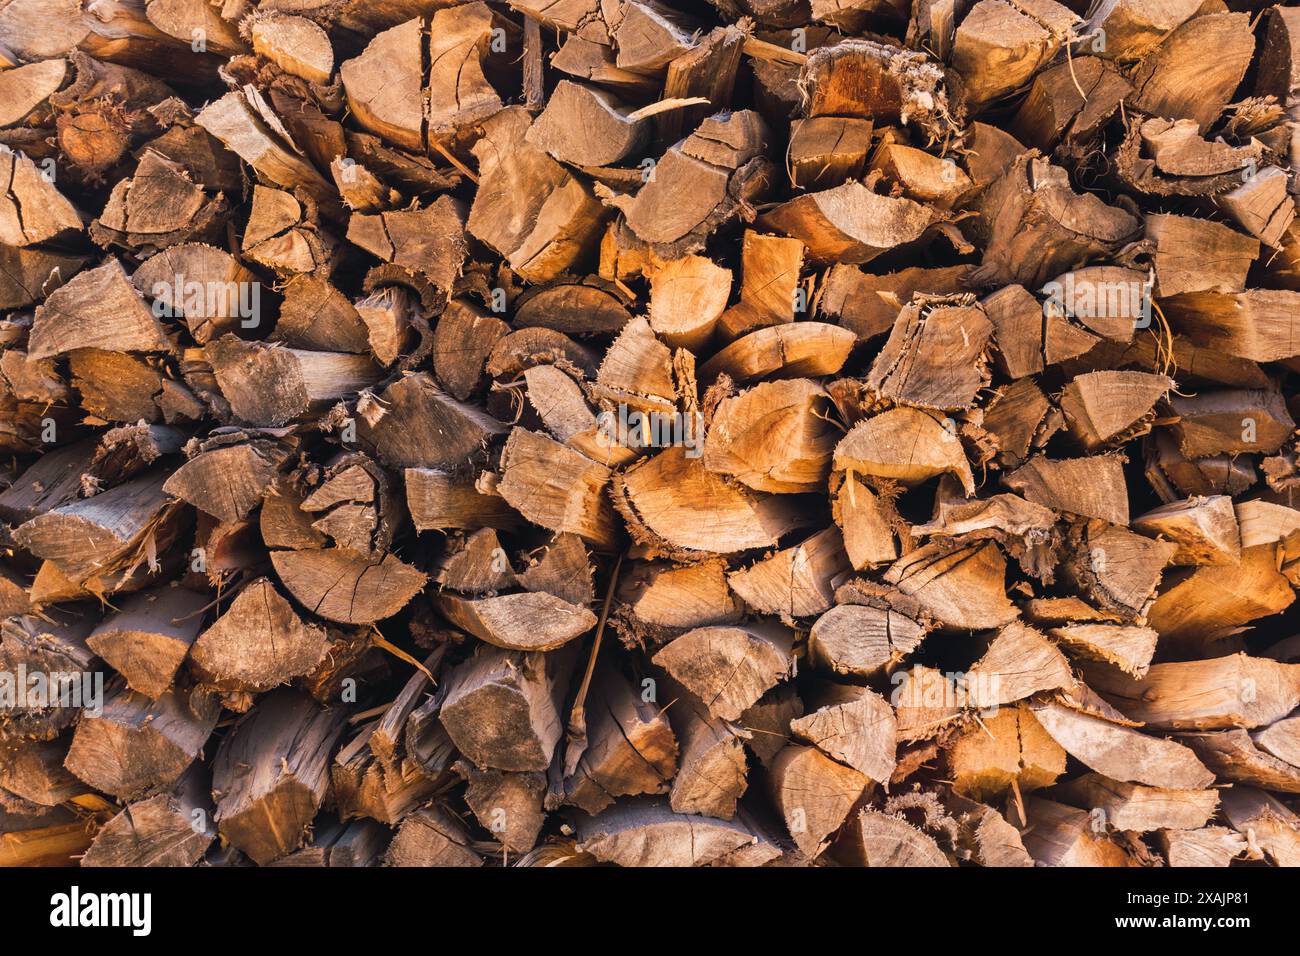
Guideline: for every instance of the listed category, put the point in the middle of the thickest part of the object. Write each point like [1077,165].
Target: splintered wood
[649,433]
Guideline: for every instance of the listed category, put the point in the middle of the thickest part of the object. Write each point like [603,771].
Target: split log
[630,750]
[814,794]
[149,637]
[1122,753]
[170,829]
[674,504]
[1011,749]
[853,726]
[136,745]
[346,586]
[711,769]
[1217,694]
[1127,806]
[728,668]
[501,708]
[644,832]
[271,773]
[1057,835]
[877,839]
[258,643]
[863,640]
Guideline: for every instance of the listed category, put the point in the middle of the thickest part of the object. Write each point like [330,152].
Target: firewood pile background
[774,432]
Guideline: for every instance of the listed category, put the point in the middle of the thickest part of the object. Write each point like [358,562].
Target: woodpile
[647,433]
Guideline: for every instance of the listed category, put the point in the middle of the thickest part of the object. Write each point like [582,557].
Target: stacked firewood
[773,432]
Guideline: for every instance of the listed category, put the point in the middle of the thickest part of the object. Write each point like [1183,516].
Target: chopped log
[1040,227]
[1105,409]
[906,445]
[999,46]
[296,45]
[432,837]
[1208,846]
[1057,115]
[1018,663]
[630,748]
[31,646]
[72,317]
[1217,694]
[135,745]
[518,622]
[1232,421]
[501,708]
[646,832]
[867,304]
[850,223]
[862,640]
[228,480]
[1122,753]
[789,350]
[769,285]
[1134,29]
[958,584]
[271,773]
[1088,487]
[796,581]
[1281,739]
[1010,749]
[728,668]
[1232,755]
[100,536]
[273,386]
[1194,71]
[347,586]
[1128,806]
[1115,568]
[1128,648]
[1057,835]
[984,836]
[507,804]
[826,151]
[935,356]
[1029,336]
[149,637]
[657,597]
[814,794]
[245,123]
[877,839]
[32,210]
[1254,325]
[1266,823]
[675,505]
[414,424]
[170,829]
[515,175]
[557,487]
[854,726]
[711,768]
[158,207]
[258,643]
[439,500]
[34,773]
[1205,529]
